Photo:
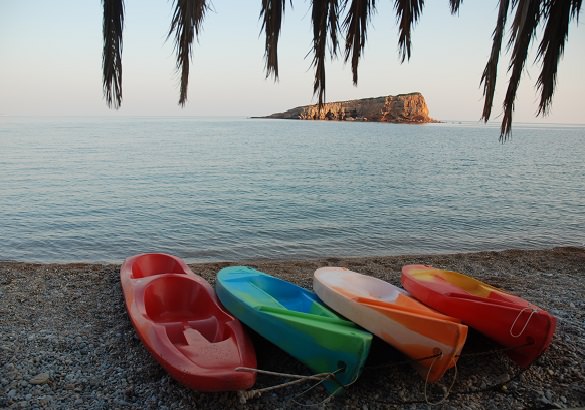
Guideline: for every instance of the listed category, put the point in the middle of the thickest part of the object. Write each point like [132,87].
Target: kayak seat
[177,299]
[271,293]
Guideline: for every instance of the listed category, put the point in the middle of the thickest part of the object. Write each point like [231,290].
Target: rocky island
[403,108]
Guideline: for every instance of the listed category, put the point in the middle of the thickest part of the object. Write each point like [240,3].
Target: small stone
[40,378]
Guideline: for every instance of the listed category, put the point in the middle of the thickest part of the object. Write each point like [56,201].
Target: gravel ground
[66,341]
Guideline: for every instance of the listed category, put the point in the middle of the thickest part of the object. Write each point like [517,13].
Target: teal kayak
[294,319]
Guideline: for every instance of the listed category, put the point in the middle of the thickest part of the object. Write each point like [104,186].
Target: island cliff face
[403,108]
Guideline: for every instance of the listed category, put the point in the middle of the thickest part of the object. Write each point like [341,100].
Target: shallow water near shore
[102,189]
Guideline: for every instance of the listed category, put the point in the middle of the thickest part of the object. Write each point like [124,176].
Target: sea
[232,189]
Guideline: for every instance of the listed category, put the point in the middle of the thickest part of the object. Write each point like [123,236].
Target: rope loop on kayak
[446,395]
[532,312]
[245,395]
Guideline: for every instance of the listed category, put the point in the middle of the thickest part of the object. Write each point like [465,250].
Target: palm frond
[455,4]
[407,14]
[186,25]
[356,25]
[526,20]
[324,18]
[271,14]
[490,72]
[113,26]
[550,51]
[575,9]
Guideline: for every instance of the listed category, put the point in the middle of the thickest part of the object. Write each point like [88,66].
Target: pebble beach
[66,341]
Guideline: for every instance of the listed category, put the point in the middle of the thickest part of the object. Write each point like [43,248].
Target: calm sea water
[102,189]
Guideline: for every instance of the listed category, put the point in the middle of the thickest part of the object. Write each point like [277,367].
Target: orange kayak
[433,340]
[180,321]
[509,320]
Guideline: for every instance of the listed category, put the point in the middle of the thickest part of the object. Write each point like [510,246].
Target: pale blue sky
[51,62]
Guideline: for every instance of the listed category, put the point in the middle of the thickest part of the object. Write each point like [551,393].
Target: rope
[319,376]
[245,395]
[329,397]
[325,400]
[448,390]
[458,393]
[492,387]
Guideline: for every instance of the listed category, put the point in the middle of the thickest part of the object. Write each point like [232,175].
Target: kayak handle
[532,312]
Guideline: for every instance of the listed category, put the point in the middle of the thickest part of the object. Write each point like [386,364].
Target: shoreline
[296,259]
[66,340]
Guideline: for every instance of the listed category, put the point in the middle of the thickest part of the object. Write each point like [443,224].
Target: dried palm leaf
[355,25]
[407,14]
[186,25]
[490,72]
[324,17]
[526,21]
[189,15]
[455,4]
[552,47]
[271,15]
[113,25]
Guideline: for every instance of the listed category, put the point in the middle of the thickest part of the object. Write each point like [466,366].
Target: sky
[50,53]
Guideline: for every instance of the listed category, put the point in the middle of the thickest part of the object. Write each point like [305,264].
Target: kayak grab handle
[532,312]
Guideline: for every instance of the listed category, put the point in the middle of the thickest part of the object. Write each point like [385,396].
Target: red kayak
[179,319]
[509,320]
